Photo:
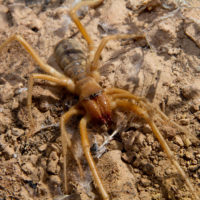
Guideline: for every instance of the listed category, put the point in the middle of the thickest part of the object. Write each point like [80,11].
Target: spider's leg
[47,68]
[104,41]
[76,20]
[61,82]
[120,93]
[144,114]
[86,149]
[66,143]
[115,93]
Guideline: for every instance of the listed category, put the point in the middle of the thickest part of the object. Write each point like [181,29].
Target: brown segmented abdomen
[71,59]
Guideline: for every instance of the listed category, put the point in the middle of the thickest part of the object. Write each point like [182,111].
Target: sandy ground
[164,68]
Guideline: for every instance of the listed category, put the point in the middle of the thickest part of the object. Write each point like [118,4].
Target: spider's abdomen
[71,59]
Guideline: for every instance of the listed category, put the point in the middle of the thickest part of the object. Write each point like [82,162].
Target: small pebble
[17,132]
[44,105]
[115,145]
[146,129]
[28,167]
[145,182]
[127,157]
[197,115]
[194,108]
[198,68]
[148,169]
[178,141]
[193,168]
[141,139]
[187,142]
[53,166]
[42,147]
[189,155]
[33,158]
[6,93]
[184,122]
[147,151]
[145,196]
[150,139]
[188,92]
[54,179]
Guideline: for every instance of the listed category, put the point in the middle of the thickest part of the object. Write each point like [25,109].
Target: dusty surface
[165,69]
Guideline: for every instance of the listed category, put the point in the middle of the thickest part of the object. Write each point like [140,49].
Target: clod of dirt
[17,132]
[193,31]
[197,115]
[25,16]
[53,166]
[121,188]
[139,6]
[3,17]
[6,149]
[6,93]
[54,179]
[178,140]
[5,121]
[190,92]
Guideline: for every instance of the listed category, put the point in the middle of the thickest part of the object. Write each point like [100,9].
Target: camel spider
[81,77]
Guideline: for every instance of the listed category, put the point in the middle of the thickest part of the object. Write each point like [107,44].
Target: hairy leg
[129,106]
[116,93]
[61,82]
[47,68]
[66,143]
[86,149]
[76,20]
[104,41]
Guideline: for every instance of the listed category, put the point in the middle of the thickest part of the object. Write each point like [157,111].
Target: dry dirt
[164,68]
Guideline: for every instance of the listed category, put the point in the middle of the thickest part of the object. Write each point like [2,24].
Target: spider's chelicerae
[81,77]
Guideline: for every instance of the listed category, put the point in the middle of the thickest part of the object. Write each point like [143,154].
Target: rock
[192,30]
[145,196]
[189,155]
[42,147]
[5,122]
[146,151]
[141,5]
[3,17]
[128,157]
[197,115]
[189,92]
[53,166]
[33,158]
[54,179]
[17,132]
[178,141]
[28,168]
[25,16]
[184,122]
[6,93]
[113,170]
[141,139]
[193,167]
[145,182]
[115,145]
[44,105]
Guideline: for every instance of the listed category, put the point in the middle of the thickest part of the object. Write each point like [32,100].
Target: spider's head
[94,100]
[98,107]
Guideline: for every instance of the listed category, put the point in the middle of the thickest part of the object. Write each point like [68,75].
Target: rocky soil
[164,68]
